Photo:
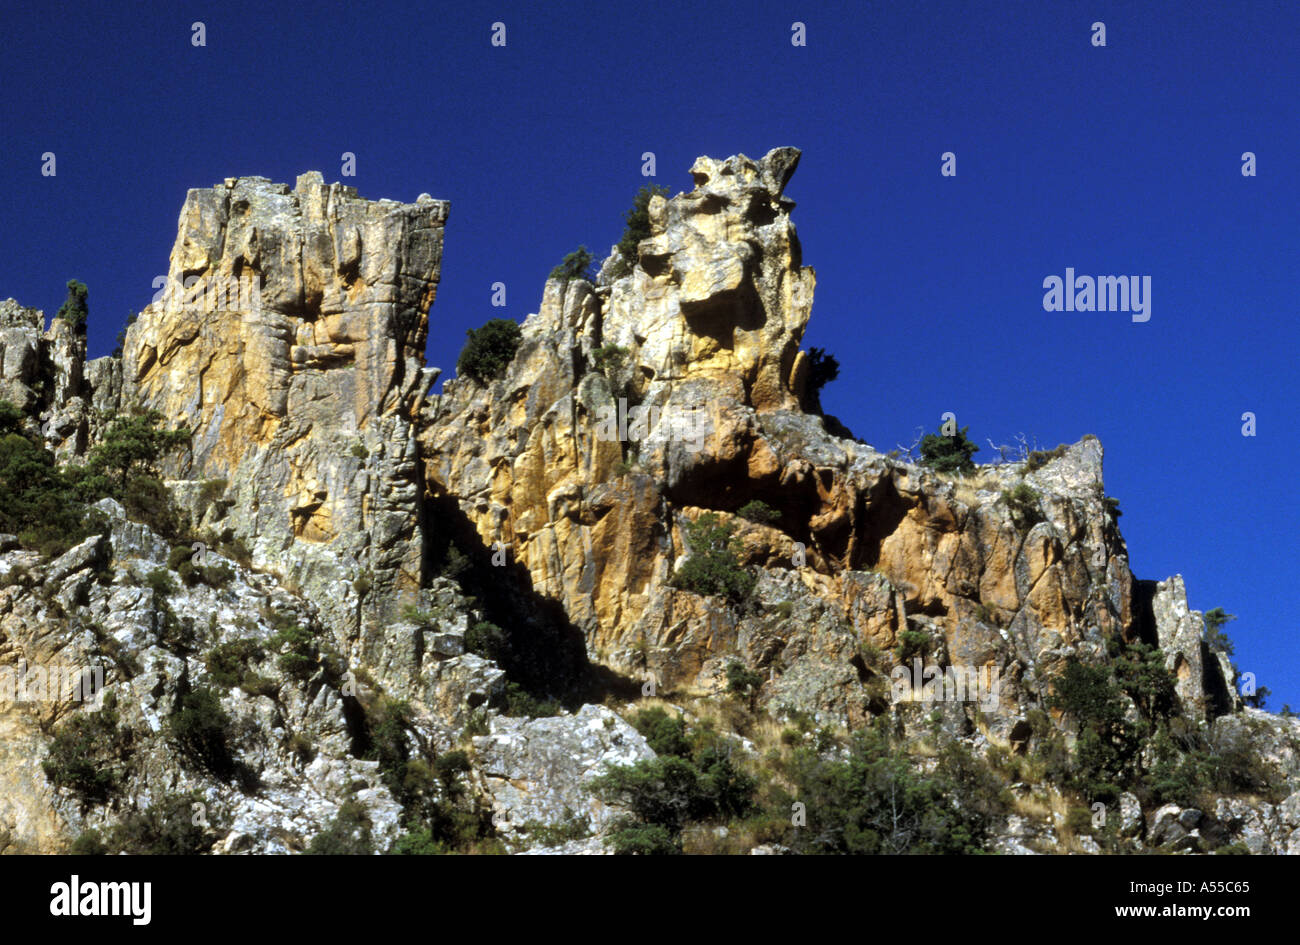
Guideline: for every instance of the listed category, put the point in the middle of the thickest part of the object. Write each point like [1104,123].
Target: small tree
[576,265]
[743,682]
[714,567]
[638,226]
[135,444]
[74,309]
[822,369]
[948,454]
[120,346]
[1215,638]
[759,512]
[489,350]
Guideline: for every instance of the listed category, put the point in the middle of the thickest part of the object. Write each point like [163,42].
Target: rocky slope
[671,388]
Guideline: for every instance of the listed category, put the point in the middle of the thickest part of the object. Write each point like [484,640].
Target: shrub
[912,643]
[627,837]
[948,454]
[1037,459]
[348,834]
[665,734]
[90,843]
[227,663]
[90,754]
[758,511]
[165,828]
[521,703]
[822,369]
[744,682]
[693,779]
[11,419]
[159,580]
[714,567]
[198,725]
[637,227]
[120,346]
[487,640]
[299,654]
[418,842]
[74,309]
[131,445]
[489,350]
[1023,503]
[1107,745]
[873,801]
[36,501]
[1218,641]
[609,358]
[576,265]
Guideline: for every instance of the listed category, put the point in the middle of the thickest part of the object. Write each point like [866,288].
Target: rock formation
[289,340]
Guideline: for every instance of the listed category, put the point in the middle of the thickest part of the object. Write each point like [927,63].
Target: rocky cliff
[559,500]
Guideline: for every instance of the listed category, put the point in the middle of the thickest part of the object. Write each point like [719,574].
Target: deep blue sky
[1122,160]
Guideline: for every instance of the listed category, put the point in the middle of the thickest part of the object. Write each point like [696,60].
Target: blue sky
[1117,160]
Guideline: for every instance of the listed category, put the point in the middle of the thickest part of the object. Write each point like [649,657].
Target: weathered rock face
[291,343]
[705,334]
[1203,679]
[41,373]
[537,771]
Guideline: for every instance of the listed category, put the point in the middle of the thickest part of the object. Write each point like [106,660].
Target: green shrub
[576,265]
[487,640]
[1218,641]
[948,454]
[742,681]
[627,837]
[714,567]
[693,779]
[198,726]
[348,834]
[299,655]
[133,444]
[875,802]
[36,501]
[665,734]
[74,309]
[165,828]
[90,754]
[1107,744]
[1023,503]
[758,511]
[119,346]
[413,614]
[11,419]
[520,703]
[419,842]
[637,227]
[90,843]
[912,643]
[1039,458]
[609,359]
[227,663]
[489,350]
[159,580]
[822,369]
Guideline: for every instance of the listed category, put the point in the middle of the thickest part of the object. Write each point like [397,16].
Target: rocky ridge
[318,445]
